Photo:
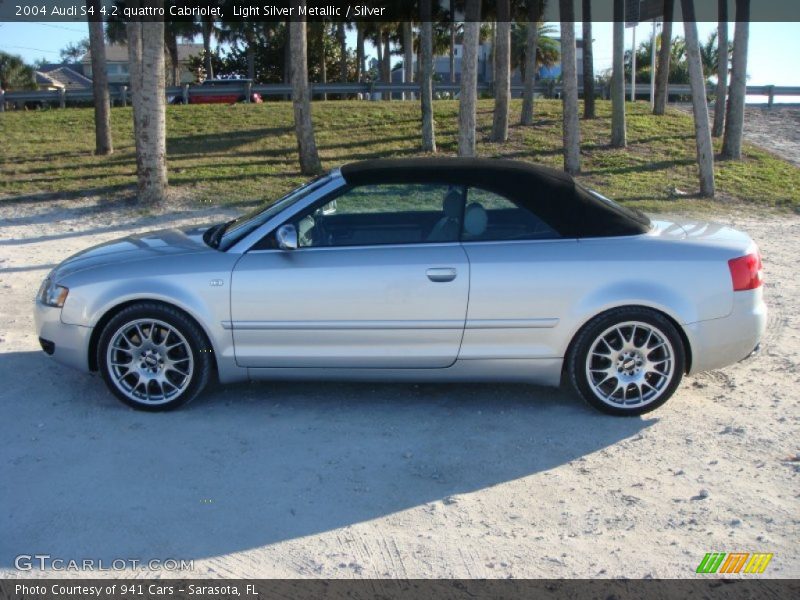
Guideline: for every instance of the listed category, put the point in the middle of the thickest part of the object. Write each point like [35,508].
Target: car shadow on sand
[249,465]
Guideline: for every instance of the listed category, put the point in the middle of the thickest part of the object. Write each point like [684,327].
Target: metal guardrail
[369,89]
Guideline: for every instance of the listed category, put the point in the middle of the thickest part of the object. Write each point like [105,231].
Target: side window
[384,214]
[492,217]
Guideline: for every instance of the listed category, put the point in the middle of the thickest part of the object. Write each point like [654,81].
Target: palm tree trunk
[502,85]
[569,74]
[664,54]
[734,119]
[408,57]
[387,61]
[323,67]
[379,51]
[133,33]
[705,151]
[426,77]
[171,42]
[531,45]
[467,104]
[152,172]
[618,78]
[359,52]
[301,97]
[250,54]
[343,51]
[588,62]
[208,23]
[287,57]
[722,70]
[452,51]
[102,102]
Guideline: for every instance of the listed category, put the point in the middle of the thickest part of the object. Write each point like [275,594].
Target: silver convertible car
[413,270]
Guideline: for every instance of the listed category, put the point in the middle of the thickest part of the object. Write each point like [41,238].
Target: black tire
[626,317]
[196,349]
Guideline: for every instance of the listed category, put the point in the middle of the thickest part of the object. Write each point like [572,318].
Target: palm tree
[535,9]
[174,29]
[618,78]
[146,60]
[15,74]
[502,83]
[722,69]
[664,53]
[301,96]
[426,77]
[73,52]
[359,51]
[734,119]
[387,58]
[133,35]
[317,30]
[102,102]
[342,38]
[467,104]
[408,56]
[208,30]
[548,49]
[251,34]
[588,62]
[705,151]
[569,74]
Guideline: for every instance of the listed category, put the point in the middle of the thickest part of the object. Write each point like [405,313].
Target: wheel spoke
[159,377]
[129,341]
[630,374]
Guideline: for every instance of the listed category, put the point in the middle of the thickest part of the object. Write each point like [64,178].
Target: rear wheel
[627,361]
[153,357]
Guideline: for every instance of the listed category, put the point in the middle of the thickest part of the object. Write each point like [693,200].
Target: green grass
[244,154]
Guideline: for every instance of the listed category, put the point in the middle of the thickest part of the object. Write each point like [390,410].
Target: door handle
[440,275]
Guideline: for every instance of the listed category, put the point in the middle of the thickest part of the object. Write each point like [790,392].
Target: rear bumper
[721,342]
[67,344]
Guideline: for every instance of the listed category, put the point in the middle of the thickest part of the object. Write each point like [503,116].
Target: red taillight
[746,272]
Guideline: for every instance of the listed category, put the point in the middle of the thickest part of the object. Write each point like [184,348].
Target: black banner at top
[366,10]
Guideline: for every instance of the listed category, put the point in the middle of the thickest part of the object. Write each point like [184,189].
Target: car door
[379,280]
[520,284]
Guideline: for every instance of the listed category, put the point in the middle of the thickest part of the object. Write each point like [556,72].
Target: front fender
[202,294]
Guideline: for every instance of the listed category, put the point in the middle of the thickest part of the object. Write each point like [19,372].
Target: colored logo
[734,562]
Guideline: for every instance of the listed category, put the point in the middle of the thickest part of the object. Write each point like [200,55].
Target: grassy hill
[243,154]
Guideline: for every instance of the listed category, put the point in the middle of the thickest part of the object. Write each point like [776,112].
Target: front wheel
[627,361]
[153,357]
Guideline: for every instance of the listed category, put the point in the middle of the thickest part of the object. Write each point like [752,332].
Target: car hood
[153,244]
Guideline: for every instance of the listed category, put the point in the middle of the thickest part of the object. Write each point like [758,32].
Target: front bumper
[721,342]
[67,344]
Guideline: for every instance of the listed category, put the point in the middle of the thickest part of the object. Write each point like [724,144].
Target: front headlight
[52,294]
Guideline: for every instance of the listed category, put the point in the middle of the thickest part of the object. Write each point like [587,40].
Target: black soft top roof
[552,195]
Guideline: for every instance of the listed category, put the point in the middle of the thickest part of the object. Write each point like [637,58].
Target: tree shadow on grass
[250,465]
[224,141]
[661,165]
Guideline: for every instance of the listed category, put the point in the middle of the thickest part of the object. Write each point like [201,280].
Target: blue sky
[774,47]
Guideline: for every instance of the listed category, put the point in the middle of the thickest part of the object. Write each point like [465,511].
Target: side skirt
[541,371]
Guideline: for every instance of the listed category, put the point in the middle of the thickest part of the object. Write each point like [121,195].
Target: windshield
[240,227]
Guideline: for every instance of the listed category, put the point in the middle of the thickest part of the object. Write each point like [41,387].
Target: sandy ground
[366,480]
[776,129]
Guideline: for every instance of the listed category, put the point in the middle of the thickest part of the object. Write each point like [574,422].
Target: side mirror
[287,237]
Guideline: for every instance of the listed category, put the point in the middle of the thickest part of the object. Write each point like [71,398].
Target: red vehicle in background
[222,91]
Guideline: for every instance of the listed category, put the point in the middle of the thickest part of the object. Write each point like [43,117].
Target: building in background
[118,69]
[65,77]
